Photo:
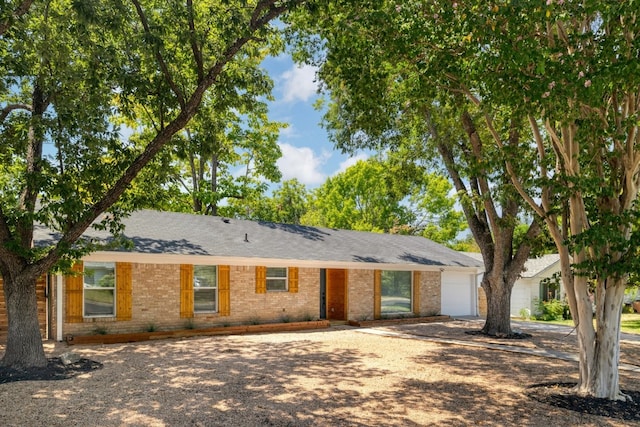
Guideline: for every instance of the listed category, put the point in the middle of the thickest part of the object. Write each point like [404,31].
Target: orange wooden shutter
[74,287]
[293,280]
[261,280]
[123,291]
[186,290]
[377,294]
[224,291]
[416,293]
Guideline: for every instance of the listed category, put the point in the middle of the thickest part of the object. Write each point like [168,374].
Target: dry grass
[337,377]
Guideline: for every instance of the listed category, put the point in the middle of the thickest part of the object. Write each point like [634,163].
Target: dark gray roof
[154,232]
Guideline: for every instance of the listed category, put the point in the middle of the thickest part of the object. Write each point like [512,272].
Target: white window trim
[114,288]
[286,280]
[216,288]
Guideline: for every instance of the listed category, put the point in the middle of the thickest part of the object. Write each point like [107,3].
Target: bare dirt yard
[341,376]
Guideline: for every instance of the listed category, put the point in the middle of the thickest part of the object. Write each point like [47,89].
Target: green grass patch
[629,324]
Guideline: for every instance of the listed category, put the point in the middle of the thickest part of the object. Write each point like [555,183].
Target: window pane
[396,292]
[99,302]
[204,300]
[276,272]
[99,274]
[204,276]
[276,284]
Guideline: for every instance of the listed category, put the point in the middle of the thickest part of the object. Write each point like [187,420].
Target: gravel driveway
[335,377]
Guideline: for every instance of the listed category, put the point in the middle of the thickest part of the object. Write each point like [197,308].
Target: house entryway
[333,295]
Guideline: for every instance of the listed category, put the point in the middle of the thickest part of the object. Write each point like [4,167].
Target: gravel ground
[337,377]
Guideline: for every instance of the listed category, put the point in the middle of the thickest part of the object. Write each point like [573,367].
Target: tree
[361,198]
[386,195]
[69,72]
[217,145]
[565,73]
[382,97]
[287,205]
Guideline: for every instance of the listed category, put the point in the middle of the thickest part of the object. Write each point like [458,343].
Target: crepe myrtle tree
[69,71]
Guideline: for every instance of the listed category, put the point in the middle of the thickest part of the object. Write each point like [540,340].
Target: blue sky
[307,153]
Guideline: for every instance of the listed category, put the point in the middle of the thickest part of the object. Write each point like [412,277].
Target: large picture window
[205,288]
[396,292]
[276,279]
[99,289]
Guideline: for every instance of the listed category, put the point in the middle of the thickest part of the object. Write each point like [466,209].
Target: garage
[458,294]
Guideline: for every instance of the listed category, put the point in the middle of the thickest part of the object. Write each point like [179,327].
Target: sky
[307,153]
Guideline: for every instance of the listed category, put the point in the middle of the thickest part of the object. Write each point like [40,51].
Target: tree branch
[17,13]
[197,53]
[161,62]
[13,107]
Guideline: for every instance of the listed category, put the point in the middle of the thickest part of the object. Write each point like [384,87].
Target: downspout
[59,296]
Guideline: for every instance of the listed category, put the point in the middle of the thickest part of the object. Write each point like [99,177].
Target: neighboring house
[184,270]
[530,287]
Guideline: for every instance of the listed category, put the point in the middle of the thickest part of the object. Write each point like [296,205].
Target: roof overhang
[143,258]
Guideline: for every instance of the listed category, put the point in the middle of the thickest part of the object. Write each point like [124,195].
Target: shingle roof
[532,267]
[154,232]
[535,266]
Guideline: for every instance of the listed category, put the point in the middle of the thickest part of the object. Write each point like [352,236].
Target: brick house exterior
[324,274]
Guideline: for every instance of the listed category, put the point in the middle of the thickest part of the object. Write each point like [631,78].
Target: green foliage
[100,330]
[91,91]
[287,205]
[549,310]
[361,198]
[285,318]
[190,324]
[525,313]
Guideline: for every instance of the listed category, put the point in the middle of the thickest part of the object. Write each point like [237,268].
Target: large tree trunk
[24,347]
[498,293]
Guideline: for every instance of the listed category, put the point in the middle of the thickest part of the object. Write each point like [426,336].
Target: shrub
[549,310]
[627,309]
[525,313]
[100,330]
[285,318]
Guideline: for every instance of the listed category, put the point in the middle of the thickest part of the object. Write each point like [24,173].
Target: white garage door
[458,294]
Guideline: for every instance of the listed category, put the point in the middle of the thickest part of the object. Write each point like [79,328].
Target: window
[99,289]
[396,292]
[205,288]
[276,278]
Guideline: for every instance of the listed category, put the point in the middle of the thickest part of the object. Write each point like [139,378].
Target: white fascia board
[141,258]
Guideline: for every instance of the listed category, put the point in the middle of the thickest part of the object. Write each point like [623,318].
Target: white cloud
[302,163]
[299,83]
[351,161]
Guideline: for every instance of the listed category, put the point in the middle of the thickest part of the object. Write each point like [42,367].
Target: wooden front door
[336,294]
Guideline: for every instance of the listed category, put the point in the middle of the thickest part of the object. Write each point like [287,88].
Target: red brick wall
[42,310]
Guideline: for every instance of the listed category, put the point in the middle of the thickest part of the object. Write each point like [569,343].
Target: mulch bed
[55,370]
[560,395]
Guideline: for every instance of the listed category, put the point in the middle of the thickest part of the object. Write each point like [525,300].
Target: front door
[336,294]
